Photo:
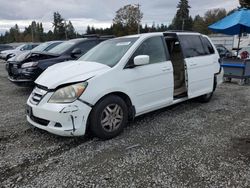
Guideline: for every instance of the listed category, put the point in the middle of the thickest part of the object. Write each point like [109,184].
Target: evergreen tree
[146,29]
[182,20]
[199,24]
[245,3]
[70,30]
[50,36]
[59,26]
[88,31]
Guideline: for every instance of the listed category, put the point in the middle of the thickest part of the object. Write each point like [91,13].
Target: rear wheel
[226,79]
[206,98]
[108,118]
[242,82]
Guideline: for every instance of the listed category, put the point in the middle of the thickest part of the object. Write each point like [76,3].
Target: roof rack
[98,36]
[107,36]
[180,31]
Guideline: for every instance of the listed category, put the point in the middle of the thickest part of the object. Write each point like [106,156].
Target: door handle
[193,65]
[166,69]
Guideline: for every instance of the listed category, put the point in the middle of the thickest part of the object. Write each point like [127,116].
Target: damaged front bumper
[60,119]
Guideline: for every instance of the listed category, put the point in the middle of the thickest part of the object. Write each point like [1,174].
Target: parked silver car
[6,54]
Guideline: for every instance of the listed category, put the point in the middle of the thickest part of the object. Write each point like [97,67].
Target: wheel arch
[122,95]
[126,99]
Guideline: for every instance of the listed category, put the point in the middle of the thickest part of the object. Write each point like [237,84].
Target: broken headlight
[30,64]
[69,93]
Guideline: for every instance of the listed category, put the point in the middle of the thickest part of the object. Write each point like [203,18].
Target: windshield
[61,48]
[109,52]
[19,47]
[41,47]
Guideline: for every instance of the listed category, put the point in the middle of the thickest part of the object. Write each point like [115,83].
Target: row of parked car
[28,61]
[98,85]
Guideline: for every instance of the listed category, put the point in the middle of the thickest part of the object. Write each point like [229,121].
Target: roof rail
[180,31]
[107,36]
[91,36]
[98,36]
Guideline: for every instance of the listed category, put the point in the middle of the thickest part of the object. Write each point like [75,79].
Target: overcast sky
[98,13]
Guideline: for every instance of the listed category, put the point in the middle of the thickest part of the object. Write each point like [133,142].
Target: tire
[206,98]
[226,79]
[109,117]
[242,82]
[247,81]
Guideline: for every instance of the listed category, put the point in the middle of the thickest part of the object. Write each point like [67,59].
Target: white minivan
[123,78]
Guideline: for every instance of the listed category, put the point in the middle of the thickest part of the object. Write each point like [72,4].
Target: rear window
[207,46]
[191,45]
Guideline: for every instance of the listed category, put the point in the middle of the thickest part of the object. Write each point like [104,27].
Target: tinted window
[154,48]
[52,46]
[33,46]
[191,45]
[86,46]
[40,47]
[207,46]
[63,47]
[27,47]
[221,50]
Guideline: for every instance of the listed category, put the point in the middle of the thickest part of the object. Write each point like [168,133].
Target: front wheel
[109,117]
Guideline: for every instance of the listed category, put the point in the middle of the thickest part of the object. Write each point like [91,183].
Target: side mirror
[228,54]
[76,52]
[141,60]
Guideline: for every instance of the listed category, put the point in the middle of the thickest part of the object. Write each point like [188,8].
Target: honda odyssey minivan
[121,79]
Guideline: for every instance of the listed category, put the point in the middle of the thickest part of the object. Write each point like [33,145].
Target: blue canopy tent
[234,24]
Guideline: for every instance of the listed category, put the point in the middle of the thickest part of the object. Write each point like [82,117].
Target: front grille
[40,121]
[12,68]
[37,95]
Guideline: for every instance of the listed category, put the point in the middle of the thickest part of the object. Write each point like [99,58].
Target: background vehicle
[44,47]
[28,69]
[243,51]
[5,47]
[123,78]
[223,51]
[6,54]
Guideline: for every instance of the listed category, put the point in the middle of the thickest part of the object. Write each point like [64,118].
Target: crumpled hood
[8,51]
[69,72]
[20,57]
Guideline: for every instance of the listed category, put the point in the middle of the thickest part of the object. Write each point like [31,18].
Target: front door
[151,85]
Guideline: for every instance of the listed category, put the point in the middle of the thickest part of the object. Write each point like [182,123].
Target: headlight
[68,94]
[30,64]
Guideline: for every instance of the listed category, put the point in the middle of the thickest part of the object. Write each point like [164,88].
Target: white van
[123,78]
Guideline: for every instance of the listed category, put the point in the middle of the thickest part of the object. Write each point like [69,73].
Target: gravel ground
[187,145]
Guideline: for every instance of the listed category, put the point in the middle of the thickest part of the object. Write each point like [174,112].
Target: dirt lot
[188,145]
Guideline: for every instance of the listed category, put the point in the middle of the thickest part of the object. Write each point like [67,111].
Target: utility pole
[32,34]
[65,26]
[138,17]
[183,24]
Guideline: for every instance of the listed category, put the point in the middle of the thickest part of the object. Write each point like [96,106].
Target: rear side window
[207,46]
[27,47]
[154,48]
[191,45]
[86,46]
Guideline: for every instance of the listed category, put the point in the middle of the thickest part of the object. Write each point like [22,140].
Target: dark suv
[25,72]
